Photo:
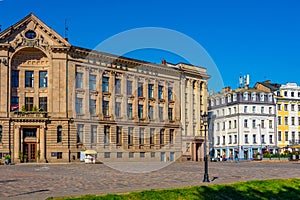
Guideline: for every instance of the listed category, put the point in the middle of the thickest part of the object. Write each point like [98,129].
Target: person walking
[236,158]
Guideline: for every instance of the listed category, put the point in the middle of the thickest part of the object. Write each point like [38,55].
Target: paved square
[39,181]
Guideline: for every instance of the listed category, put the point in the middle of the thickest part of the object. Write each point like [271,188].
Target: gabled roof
[272,86]
[4,36]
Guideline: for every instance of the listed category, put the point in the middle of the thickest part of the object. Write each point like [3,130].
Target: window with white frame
[261,96]
[245,96]
[253,96]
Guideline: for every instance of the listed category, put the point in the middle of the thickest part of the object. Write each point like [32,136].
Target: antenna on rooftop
[241,81]
[66,29]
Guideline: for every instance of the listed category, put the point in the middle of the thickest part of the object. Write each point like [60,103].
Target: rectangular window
[279,120]
[152,154]
[59,155]
[171,136]
[119,135]
[79,133]
[263,139]
[285,107]
[142,154]
[170,114]
[161,136]
[270,110]
[223,140]
[229,124]
[106,134]
[29,103]
[43,103]
[106,154]
[170,93]
[262,109]
[160,92]
[118,86]
[161,113]
[150,91]
[140,89]
[129,87]
[14,78]
[230,139]
[92,82]
[105,108]
[140,111]
[293,120]
[119,154]
[59,134]
[129,110]
[286,136]
[245,109]
[292,107]
[142,136]
[93,134]
[118,109]
[105,84]
[262,123]
[279,136]
[254,138]
[271,139]
[43,82]
[285,120]
[150,112]
[245,123]
[79,80]
[152,136]
[270,123]
[92,106]
[29,76]
[218,140]
[253,123]
[279,107]
[293,136]
[246,139]
[253,109]
[130,135]
[235,139]
[14,104]
[131,154]
[78,105]
[235,123]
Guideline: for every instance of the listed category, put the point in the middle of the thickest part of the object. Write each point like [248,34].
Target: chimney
[163,62]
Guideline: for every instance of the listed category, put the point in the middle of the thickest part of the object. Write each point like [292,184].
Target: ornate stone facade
[57,100]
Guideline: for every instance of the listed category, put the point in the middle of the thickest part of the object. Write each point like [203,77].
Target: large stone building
[243,122]
[57,100]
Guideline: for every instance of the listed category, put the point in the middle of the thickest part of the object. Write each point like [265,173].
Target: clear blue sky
[260,38]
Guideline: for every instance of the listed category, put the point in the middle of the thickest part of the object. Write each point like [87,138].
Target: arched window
[59,134]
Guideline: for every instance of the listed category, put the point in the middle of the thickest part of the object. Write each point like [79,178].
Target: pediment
[32,32]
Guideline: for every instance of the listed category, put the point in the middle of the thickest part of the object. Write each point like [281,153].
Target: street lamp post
[205,123]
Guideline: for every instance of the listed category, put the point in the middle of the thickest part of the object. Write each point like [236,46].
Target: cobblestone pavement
[39,181]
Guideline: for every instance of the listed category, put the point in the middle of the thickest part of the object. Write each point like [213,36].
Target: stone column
[16,144]
[42,143]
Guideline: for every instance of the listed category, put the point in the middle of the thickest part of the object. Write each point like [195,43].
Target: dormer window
[253,96]
[234,96]
[223,100]
[245,96]
[261,96]
[229,98]
[270,97]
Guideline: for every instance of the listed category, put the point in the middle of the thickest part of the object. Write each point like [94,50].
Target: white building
[243,122]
